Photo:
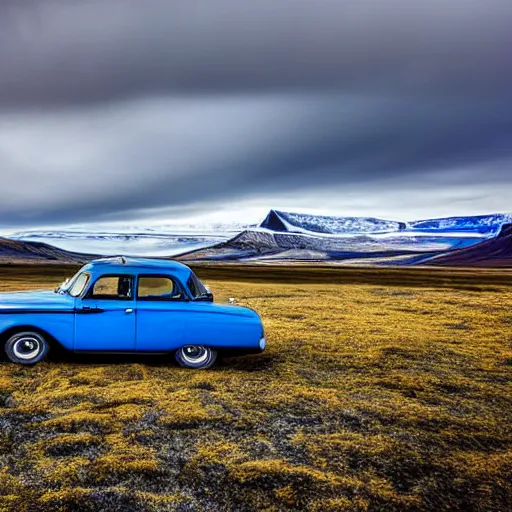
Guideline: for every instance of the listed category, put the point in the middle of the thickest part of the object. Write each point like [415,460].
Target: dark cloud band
[58,52]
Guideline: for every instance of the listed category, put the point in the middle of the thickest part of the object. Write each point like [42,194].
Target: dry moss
[81,420]
[184,409]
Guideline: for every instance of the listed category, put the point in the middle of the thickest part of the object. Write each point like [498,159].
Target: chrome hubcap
[194,354]
[27,347]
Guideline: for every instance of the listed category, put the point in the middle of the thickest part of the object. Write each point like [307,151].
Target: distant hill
[265,245]
[15,251]
[494,252]
[247,244]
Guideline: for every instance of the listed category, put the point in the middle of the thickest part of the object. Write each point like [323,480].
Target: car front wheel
[196,356]
[26,348]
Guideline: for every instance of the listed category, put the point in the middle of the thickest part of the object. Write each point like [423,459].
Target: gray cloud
[56,51]
[111,107]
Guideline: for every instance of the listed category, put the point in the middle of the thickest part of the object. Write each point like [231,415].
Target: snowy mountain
[485,224]
[302,222]
[285,236]
[277,220]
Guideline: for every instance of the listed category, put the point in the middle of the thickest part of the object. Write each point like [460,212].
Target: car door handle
[128,311]
[89,309]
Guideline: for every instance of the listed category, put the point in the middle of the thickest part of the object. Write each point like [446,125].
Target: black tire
[197,357]
[26,348]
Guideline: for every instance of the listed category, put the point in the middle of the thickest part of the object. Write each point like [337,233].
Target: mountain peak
[274,221]
[505,231]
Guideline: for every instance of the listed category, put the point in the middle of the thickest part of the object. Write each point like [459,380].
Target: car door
[162,307]
[105,317]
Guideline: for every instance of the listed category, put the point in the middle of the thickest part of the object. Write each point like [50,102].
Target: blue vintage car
[128,305]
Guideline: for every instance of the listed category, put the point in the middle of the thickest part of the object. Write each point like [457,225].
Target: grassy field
[380,390]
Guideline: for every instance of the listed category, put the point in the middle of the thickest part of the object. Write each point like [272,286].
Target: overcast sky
[157,109]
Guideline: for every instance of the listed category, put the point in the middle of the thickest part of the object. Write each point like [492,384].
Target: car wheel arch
[11,331]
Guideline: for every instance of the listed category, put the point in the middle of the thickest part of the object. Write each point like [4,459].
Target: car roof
[135,264]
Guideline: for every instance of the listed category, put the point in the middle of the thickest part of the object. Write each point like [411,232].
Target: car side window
[112,288]
[158,288]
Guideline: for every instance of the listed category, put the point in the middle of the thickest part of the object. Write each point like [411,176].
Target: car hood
[38,300]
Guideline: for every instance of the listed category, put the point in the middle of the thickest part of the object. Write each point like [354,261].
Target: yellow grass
[380,390]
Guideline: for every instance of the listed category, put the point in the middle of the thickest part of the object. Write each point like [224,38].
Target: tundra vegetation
[380,390]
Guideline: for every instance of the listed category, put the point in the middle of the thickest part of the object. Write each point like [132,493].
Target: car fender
[223,327]
[58,326]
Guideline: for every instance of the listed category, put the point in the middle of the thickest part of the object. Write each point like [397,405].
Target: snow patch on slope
[278,220]
[483,224]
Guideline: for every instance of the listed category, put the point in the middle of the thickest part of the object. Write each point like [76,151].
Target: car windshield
[196,287]
[74,286]
[79,284]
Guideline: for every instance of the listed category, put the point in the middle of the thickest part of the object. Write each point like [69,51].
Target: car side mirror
[206,297]
[64,283]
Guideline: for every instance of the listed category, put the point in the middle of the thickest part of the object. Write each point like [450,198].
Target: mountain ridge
[15,251]
[288,236]
[280,220]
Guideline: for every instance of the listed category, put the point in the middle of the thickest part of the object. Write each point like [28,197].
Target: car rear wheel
[196,356]
[26,348]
